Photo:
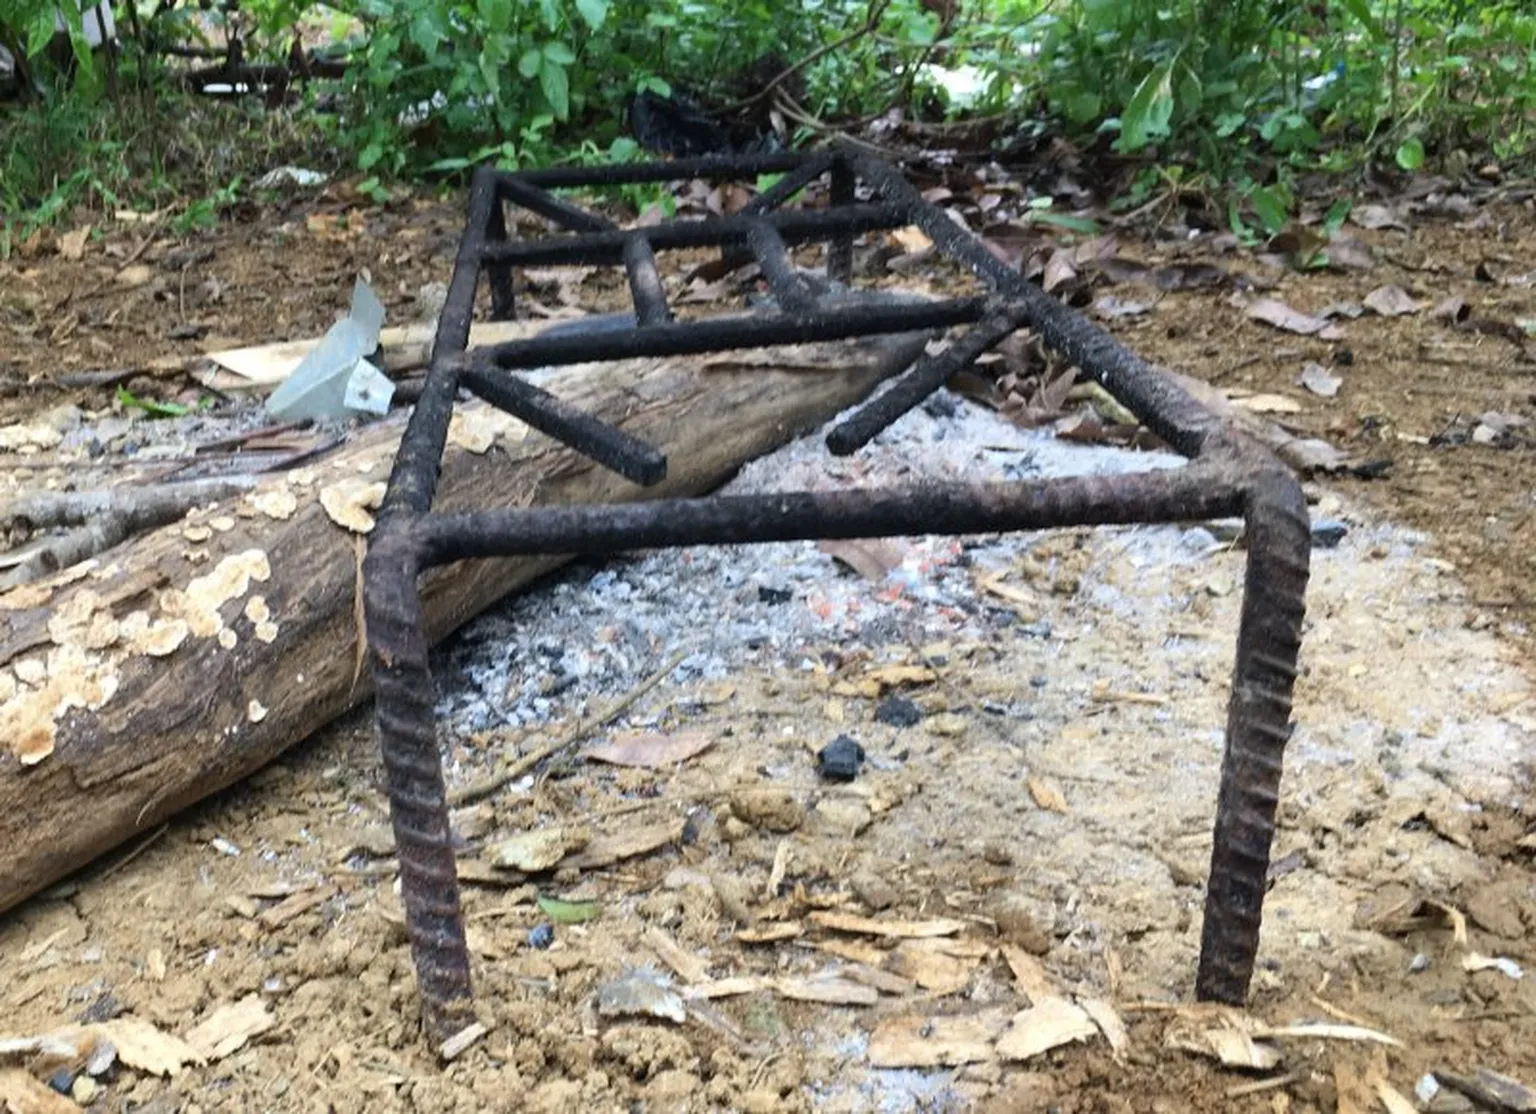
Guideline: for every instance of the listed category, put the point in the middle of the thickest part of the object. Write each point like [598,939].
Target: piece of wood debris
[1029,975]
[689,967]
[1259,1086]
[855,951]
[731,987]
[826,990]
[930,1042]
[1317,1030]
[456,1045]
[883,981]
[1109,1023]
[20,1093]
[605,850]
[229,1027]
[871,926]
[770,933]
[295,904]
[1391,1098]
[641,992]
[1046,793]
[541,849]
[933,971]
[144,1047]
[1492,1089]
[1047,1024]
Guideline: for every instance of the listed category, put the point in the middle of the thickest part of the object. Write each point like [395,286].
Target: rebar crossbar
[1228,475]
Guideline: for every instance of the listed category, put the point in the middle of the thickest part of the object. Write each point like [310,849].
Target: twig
[144,845]
[871,21]
[78,507]
[796,112]
[488,785]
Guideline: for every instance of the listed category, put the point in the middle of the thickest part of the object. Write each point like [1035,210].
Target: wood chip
[1326,1031]
[1047,1024]
[1109,1023]
[540,849]
[143,1047]
[1391,1098]
[727,988]
[1046,793]
[870,926]
[931,1042]
[1029,974]
[933,971]
[827,991]
[883,981]
[770,933]
[607,850]
[456,1045]
[290,907]
[689,967]
[855,951]
[20,1093]
[227,1029]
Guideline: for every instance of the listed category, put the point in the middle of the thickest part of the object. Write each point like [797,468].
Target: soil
[1054,796]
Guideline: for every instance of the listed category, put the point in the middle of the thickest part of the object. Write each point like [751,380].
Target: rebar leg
[1258,727]
[503,303]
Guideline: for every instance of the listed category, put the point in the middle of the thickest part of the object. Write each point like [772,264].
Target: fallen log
[142,681]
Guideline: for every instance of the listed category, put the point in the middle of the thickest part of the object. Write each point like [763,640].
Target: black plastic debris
[839,760]
[773,596]
[898,711]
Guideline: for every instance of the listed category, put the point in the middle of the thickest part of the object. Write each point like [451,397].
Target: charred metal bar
[774,196]
[788,287]
[607,248]
[1161,495]
[413,777]
[1165,407]
[710,167]
[612,448]
[926,376]
[840,249]
[553,208]
[645,281]
[503,300]
[737,331]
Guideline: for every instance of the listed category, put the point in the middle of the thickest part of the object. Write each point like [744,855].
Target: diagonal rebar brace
[840,249]
[926,376]
[547,205]
[772,255]
[773,197]
[716,168]
[614,449]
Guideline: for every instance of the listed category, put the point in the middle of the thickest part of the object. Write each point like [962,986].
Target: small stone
[998,854]
[774,809]
[948,723]
[541,936]
[839,760]
[898,711]
[873,890]
[1328,533]
[1016,925]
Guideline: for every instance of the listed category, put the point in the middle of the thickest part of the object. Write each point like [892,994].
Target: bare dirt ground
[1054,799]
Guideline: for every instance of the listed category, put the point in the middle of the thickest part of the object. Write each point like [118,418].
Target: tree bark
[171,667]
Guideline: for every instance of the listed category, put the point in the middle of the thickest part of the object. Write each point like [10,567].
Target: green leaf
[593,11]
[1082,106]
[496,14]
[1410,153]
[1337,214]
[528,65]
[1229,122]
[551,12]
[556,87]
[1064,220]
[1270,209]
[559,53]
[1150,109]
[150,406]
[1361,10]
[569,912]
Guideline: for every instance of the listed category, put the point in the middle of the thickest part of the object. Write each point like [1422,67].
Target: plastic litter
[336,379]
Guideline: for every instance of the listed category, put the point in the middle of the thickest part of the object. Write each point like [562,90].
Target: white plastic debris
[336,379]
[290,176]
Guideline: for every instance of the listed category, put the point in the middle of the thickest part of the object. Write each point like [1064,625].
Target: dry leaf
[143,1047]
[1047,1024]
[1376,216]
[931,1042]
[871,558]
[72,243]
[228,1028]
[1058,270]
[911,239]
[136,274]
[1109,1023]
[650,750]
[1046,793]
[1390,301]
[870,926]
[1282,316]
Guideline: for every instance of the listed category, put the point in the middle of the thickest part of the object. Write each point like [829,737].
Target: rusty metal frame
[1228,475]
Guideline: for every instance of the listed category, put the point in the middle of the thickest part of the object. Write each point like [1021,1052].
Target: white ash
[594,630]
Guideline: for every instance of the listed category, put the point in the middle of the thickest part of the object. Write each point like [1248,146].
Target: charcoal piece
[773,596]
[898,711]
[839,760]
